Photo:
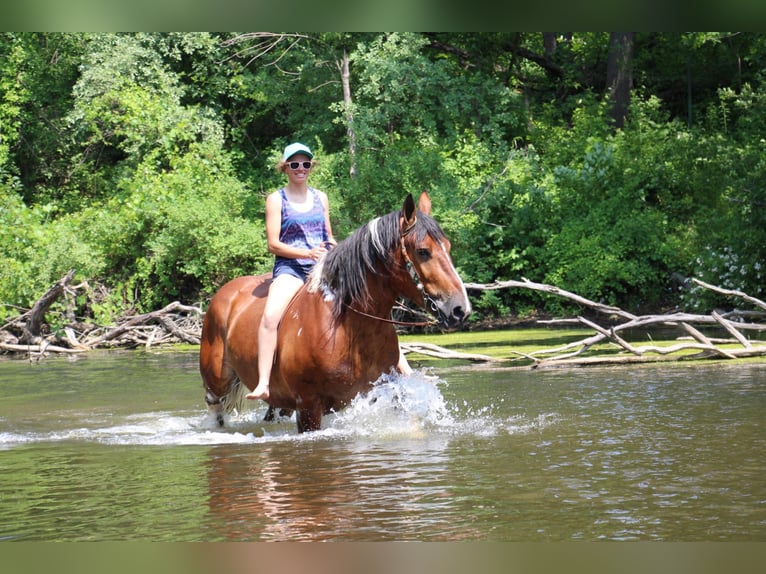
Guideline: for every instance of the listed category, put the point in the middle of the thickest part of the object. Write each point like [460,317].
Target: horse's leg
[217,377]
[309,416]
[271,414]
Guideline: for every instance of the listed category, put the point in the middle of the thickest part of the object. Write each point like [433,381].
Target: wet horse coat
[334,340]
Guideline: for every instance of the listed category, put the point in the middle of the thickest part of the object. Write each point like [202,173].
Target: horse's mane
[342,273]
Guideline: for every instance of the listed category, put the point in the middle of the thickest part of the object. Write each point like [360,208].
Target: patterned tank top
[301,229]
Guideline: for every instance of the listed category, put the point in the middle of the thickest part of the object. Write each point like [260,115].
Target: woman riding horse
[335,338]
[298,233]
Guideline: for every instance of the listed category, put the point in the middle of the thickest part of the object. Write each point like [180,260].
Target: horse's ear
[408,211]
[424,203]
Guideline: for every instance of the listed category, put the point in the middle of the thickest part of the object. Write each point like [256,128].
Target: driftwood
[34,319]
[134,328]
[175,323]
[438,352]
[571,354]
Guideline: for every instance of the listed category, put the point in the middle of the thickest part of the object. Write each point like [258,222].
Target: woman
[298,233]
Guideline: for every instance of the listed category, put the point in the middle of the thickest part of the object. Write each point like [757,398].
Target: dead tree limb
[41,349]
[572,352]
[527,284]
[146,318]
[171,327]
[432,350]
[35,319]
[729,326]
[732,293]
[612,335]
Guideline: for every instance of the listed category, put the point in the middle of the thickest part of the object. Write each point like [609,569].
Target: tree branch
[36,317]
[730,292]
[566,353]
[527,284]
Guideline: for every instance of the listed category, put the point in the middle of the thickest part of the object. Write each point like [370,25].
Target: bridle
[427,299]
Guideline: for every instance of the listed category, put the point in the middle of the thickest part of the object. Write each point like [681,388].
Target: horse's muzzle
[451,313]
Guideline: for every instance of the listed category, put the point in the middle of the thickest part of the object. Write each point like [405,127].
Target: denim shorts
[292,267]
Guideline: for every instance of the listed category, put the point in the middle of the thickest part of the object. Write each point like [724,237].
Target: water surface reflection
[119,448]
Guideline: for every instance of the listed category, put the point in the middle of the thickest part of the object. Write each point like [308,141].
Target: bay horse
[335,338]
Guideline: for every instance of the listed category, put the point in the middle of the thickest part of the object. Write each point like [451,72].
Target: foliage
[180,234]
[37,251]
[411,112]
[142,159]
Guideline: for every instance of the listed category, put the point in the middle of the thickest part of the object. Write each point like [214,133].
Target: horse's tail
[233,402]
[224,393]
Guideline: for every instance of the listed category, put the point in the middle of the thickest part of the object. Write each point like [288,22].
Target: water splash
[397,407]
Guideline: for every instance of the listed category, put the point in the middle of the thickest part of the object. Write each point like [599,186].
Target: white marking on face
[462,285]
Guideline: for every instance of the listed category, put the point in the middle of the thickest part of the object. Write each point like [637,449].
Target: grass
[508,344]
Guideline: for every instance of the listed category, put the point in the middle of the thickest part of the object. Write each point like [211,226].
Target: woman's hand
[317,252]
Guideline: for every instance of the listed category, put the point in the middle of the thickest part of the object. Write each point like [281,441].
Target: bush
[182,233]
[38,250]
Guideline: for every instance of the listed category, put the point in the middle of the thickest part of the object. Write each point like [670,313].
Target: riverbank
[731,335]
[528,346]
[524,347]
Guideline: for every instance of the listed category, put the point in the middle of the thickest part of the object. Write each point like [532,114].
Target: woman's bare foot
[259,392]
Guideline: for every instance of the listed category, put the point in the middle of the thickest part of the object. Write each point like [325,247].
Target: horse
[335,338]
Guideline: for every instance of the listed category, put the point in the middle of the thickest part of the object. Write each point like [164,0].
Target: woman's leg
[282,290]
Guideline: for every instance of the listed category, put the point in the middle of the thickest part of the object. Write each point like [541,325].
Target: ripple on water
[396,407]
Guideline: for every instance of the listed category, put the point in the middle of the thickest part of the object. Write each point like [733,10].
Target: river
[116,446]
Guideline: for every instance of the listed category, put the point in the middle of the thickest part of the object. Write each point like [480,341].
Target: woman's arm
[328,226]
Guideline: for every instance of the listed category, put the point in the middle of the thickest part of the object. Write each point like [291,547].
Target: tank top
[301,229]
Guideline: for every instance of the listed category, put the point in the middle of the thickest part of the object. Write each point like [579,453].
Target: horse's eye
[424,254]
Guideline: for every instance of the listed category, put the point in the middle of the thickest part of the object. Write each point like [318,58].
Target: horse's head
[426,251]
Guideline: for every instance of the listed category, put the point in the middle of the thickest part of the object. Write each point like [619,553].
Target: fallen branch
[39,349]
[173,324]
[527,284]
[613,336]
[732,293]
[134,324]
[568,353]
[36,317]
[438,352]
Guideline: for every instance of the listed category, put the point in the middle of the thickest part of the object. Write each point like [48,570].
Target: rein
[393,321]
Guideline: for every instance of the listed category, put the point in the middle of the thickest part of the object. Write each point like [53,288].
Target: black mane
[369,249]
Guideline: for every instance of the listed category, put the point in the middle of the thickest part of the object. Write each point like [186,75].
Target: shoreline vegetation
[600,335]
[614,165]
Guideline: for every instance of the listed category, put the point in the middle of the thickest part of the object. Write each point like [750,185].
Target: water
[117,446]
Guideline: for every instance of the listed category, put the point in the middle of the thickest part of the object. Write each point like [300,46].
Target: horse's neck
[379,303]
[384,289]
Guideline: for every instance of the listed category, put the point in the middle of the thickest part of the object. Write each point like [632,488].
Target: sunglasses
[297,164]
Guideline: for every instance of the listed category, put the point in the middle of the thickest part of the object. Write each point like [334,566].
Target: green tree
[143,158]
